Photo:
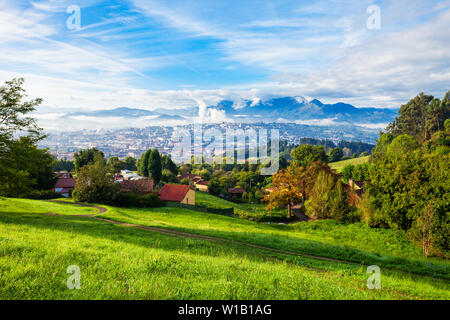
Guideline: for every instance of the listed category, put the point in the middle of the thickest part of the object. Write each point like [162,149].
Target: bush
[125,199]
[41,195]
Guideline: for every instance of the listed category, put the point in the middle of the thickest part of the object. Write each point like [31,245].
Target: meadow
[339,165]
[40,239]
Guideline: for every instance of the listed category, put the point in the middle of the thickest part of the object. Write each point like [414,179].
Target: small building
[236,192]
[202,186]
[141,186]
[64,186]
[177,193]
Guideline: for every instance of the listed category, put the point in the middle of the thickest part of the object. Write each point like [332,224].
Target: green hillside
[174,253]
[339,165]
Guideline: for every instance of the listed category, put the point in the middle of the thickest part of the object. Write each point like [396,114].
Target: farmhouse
[202,186]
[236,192]
[177,193]
[64,186]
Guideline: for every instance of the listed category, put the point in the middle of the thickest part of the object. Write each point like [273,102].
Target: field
[339,165]
[174,253]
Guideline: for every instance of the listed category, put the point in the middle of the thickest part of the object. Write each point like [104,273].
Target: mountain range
[279,109]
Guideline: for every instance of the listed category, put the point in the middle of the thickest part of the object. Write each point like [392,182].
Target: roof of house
[137,186]
[173,192]
[203,183]
[236,190]
[65,183]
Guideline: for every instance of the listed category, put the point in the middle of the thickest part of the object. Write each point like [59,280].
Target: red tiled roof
[65,183]
[204,183]
[173,192]
[236,190]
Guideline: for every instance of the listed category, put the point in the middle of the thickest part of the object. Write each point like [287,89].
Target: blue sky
[151,54]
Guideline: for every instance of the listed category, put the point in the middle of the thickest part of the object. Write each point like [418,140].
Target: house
[202,185]
[236,192]
[177,193]
[64,186]
[128,175]
[141,186]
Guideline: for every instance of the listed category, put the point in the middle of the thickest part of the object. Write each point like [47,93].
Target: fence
[226,212]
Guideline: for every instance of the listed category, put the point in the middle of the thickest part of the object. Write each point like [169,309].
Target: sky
[176,54]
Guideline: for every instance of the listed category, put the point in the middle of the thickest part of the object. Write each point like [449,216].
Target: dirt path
[189,235]
[100,209]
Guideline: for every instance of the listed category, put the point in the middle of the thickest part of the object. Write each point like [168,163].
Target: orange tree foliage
[287,189]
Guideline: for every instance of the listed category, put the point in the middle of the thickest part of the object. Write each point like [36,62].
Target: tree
[64,165]
[424,228]
[381,147]
[87,156]
[303,155]
[335,154]
[309,176]
[318,203]
[115,164]
[19,172]
[143,163]
[412,118]
[168,164]
[154,166]
[347,172]
[95,183]
[27,168]
[13,111]
[287,189]
[130,164]
[402,144]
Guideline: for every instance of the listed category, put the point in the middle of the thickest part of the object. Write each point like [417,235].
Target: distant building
[64,186]
[236,192]
[177,193]
[202,186]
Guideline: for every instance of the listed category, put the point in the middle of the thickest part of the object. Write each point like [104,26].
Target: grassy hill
[150,257]
[339,165]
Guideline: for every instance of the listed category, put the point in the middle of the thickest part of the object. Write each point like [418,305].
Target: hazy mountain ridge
[270,110]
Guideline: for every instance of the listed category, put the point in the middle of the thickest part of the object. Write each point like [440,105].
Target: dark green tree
[154,166]
[335,154]
[87,156]
[130,164]
[143,163]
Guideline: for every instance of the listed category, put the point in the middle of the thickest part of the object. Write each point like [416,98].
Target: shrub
[125,199]
[41,195]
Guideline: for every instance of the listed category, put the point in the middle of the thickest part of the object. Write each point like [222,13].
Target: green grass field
[339,165]
[39,240]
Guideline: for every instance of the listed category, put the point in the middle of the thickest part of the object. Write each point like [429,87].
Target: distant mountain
[128,113]
[118,112]
[280,109]
[298,108]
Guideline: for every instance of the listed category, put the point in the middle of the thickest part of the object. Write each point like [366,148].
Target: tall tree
[143,163]
[154,165]
[13,111]
[412,118]
[19,172]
